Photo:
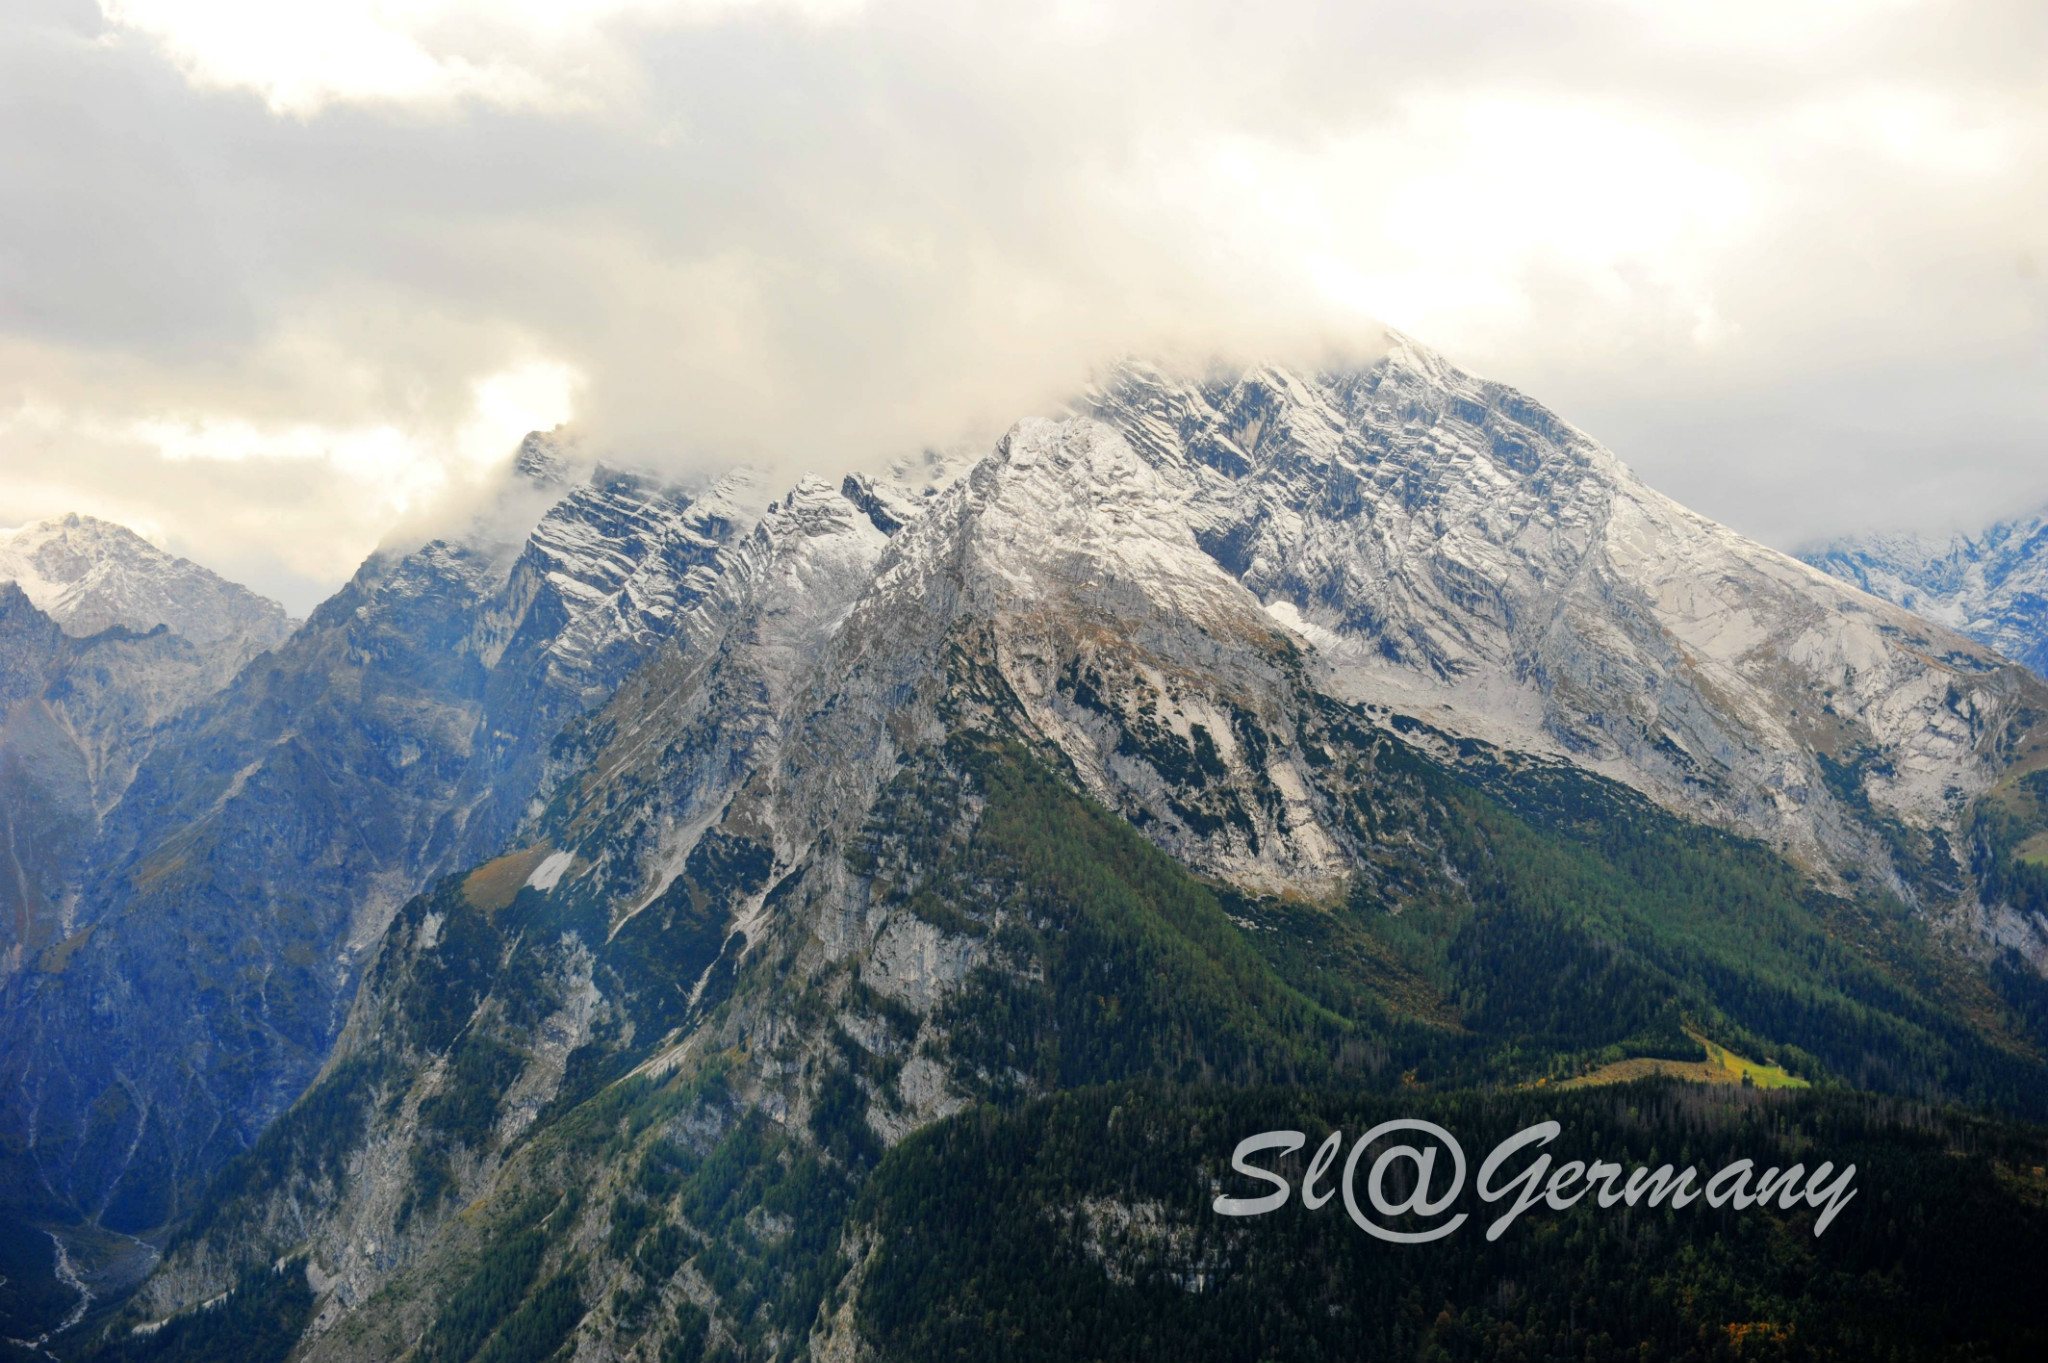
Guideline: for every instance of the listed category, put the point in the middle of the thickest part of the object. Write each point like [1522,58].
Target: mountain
[249,868]
[104,639]
[90,575]
[1992,587]
[1240,751]
[106,586]
[1462,555]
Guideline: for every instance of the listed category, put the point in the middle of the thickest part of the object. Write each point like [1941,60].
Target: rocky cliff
[1371,728]
[234,890]
[1991,586]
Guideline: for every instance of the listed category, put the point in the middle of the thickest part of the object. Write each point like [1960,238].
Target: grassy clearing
[1722,1066]
[495,884]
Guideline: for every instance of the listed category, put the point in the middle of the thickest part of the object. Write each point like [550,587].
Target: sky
[278,278]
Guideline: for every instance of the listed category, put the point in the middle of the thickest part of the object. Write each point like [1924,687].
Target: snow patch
[549,873]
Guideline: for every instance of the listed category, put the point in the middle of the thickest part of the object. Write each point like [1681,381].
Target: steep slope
[1454,551]
[1992,586]
[1041,794]
[90,575]
[99,581]
[46,806]
[260,849]
[76,716]
[462,1039]
[104,639]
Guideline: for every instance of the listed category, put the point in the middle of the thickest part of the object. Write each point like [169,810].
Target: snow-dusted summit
[1992,586]
[1151,585]
[105,640]
[89,575]
[1453,550]
[156,635]
[1420,542]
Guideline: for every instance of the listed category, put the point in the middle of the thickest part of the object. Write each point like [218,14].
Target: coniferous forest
[1146,1020]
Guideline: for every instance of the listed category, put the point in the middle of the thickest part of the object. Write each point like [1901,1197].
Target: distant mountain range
[90,576]
[1992,587]
[104,640]
[655,934]
[233,892]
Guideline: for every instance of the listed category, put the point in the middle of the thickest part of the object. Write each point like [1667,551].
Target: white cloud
[350,484]
[537,396]
[1785,256]
[402,466]
[1929,131]
[300,57]
[1443,220]
[1768,27]
[304,55]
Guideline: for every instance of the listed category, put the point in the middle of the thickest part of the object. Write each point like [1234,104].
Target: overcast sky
[274,275]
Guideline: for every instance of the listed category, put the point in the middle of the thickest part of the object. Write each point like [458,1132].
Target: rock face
[46,807]
[1345,727]
[256,856]
[104,640]
[516,1018]
[1457,552]
[1992,587]
[90,575]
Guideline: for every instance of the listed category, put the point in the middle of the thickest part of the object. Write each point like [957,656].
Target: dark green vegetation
[258,1322]
[1513,923]
[1592,913]
[491,1294]
[756,1213]
[1584,925]
[1079,1226]
[32,1300]
[774,1272]
[1140,971]
[493,1317]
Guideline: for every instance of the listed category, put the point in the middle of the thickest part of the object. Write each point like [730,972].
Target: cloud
[295,504]
[301,58]
[1788,261]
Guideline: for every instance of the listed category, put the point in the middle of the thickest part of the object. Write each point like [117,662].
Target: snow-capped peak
[89,575]
[1453,550]
[1991,586]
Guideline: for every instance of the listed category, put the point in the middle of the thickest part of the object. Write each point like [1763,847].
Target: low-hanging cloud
[266,288]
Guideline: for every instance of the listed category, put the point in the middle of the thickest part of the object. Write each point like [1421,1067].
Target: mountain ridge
[284,819]
[1992,586]
[89,574]
[1372,728]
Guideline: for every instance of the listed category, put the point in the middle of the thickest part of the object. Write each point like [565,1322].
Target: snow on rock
[1450,548]
[548,874]
[89,575]
[1992,586]
[686,730]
